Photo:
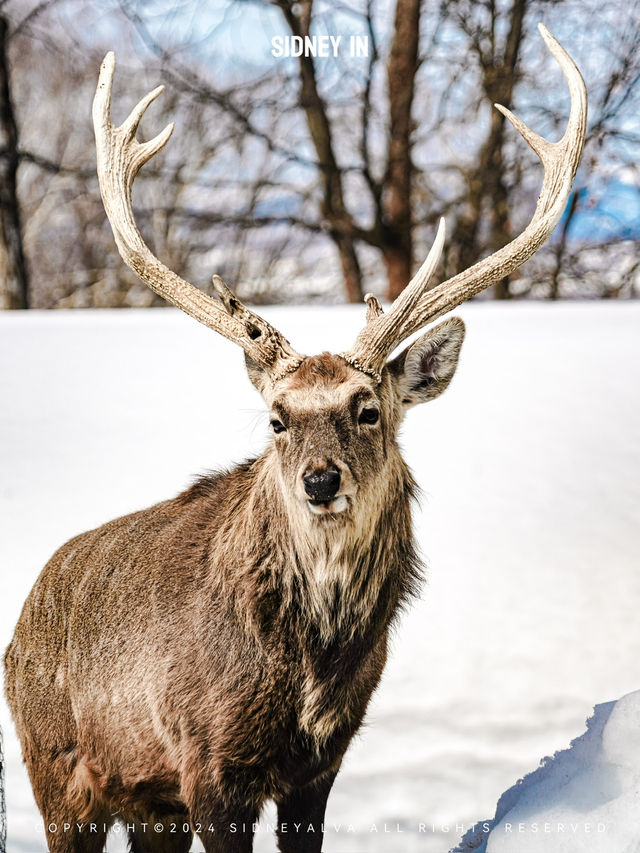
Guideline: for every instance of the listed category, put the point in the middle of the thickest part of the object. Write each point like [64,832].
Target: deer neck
[344,578]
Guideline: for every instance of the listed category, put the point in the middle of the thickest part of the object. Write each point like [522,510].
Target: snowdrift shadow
[590,781]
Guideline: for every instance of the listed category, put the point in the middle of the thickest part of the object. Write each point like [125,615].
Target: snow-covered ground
[530,466]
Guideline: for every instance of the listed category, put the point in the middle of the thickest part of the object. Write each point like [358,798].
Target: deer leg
[73,823]
[301,815]
[223,826]
[65,832]
[226,834]
[170,834]
[74,842]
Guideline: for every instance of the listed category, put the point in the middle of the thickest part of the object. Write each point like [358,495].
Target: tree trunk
[14,284]
[401,72]
[351,272]
[554,291]
[486,182]
[397,261]
[298,18]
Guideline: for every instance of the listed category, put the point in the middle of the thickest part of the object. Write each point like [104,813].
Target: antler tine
[384,331]
[120,157]
[560,161]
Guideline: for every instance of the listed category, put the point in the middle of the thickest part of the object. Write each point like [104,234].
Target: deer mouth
[332,507]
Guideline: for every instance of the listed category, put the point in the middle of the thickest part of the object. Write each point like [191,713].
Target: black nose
[321,485]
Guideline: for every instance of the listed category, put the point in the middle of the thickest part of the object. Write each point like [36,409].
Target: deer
[184,665]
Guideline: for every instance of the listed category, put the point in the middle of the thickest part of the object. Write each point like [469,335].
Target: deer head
[335,417]
[335,426]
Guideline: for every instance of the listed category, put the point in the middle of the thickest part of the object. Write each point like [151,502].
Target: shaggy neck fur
[340,577]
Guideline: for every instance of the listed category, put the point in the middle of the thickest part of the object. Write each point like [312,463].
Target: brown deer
[181,666]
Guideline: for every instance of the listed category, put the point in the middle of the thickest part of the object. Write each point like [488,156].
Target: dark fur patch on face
[325,368]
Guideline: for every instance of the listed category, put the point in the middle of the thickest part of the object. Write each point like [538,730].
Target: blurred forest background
[301,179]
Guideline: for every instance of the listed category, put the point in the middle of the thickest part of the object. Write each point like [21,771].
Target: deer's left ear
[425,368]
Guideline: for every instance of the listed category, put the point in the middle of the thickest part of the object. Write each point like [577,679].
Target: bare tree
[486,180]
[401,71]
[314,178]
[14,281]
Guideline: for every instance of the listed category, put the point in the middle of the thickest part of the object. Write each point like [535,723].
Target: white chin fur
[336,506]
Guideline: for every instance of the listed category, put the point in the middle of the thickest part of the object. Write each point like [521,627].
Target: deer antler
[416,306]
[120,157]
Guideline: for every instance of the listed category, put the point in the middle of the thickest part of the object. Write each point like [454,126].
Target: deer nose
[321,485]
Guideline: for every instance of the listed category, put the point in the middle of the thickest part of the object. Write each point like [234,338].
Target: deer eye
[370,415]
[277,426]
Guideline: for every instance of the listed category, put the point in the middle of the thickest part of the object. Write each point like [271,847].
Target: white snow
[530,467]
[584,798]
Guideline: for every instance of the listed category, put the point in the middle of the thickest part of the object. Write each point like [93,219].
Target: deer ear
[256,374]
[425,368]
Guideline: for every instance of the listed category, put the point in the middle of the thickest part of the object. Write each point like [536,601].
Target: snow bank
[584,798]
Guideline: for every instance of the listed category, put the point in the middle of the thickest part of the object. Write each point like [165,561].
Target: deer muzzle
[321,486]
[326,487]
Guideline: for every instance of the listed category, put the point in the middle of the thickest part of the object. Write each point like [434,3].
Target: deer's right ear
[425,368]
[256,374]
